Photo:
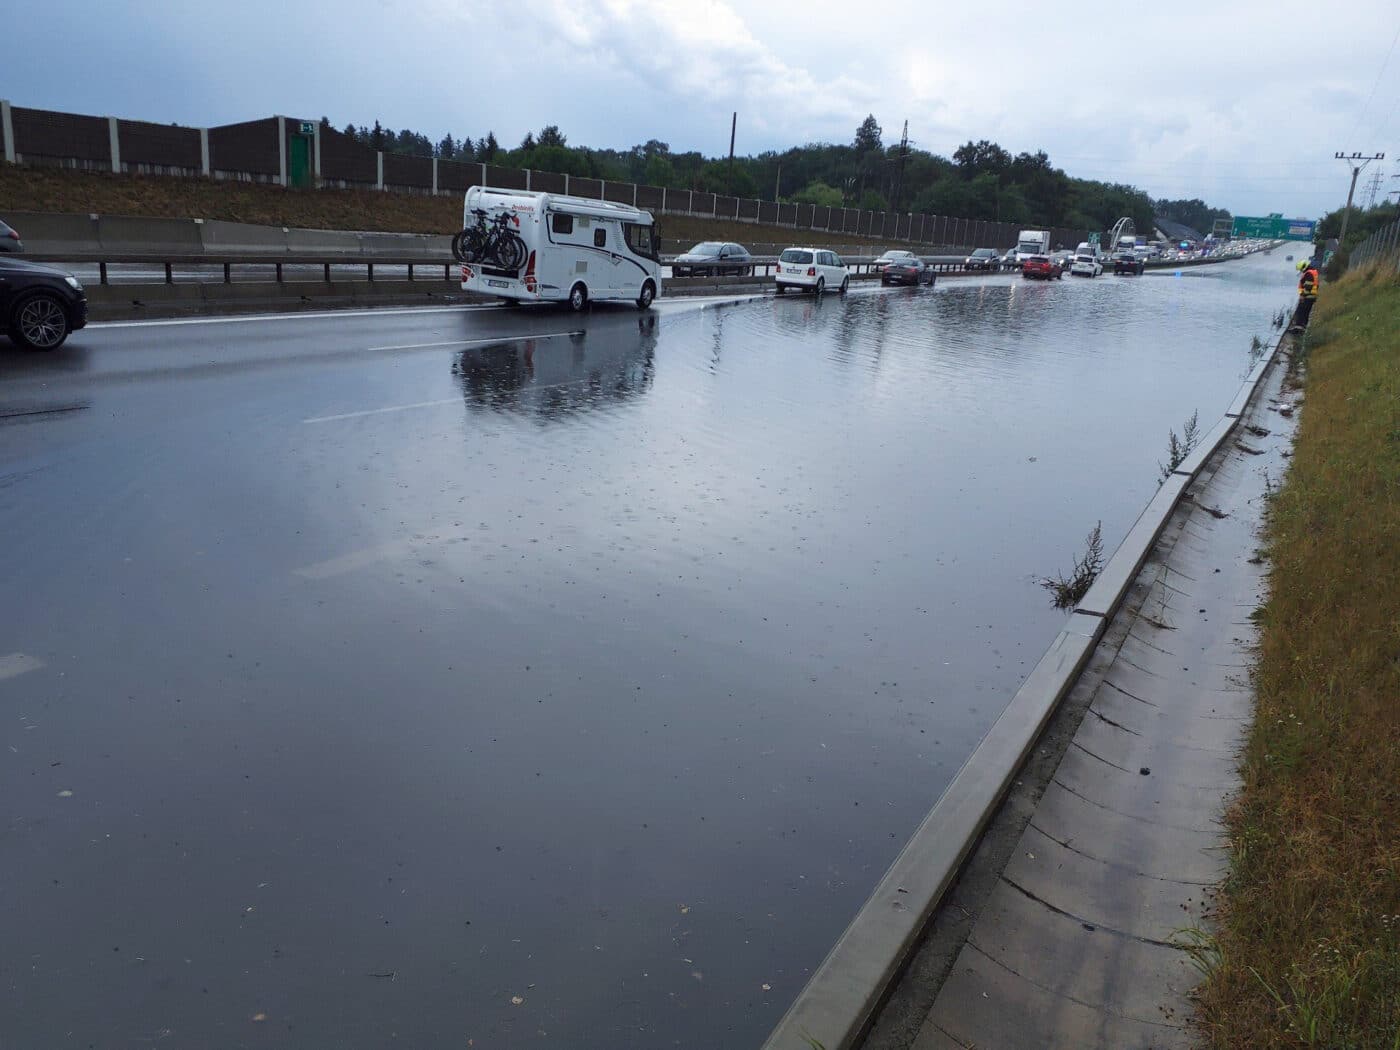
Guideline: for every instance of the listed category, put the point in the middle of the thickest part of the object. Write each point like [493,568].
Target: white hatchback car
[814,268]
[1085,266]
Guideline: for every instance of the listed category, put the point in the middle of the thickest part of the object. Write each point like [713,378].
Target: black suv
[39,305]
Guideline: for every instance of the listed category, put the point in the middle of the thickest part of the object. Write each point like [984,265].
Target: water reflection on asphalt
[561,688]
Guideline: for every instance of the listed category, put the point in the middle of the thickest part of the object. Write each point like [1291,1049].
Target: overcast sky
[1239,102]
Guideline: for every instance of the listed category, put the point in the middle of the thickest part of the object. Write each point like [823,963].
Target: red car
[1042,267]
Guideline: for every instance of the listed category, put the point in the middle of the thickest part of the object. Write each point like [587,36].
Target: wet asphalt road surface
[417,677]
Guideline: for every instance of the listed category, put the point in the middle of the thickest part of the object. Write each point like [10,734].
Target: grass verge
[156,196]
[1308,951]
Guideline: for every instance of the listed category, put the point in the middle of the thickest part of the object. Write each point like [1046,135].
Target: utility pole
[899,178]
[1356,168]
[778,183]
[733,127]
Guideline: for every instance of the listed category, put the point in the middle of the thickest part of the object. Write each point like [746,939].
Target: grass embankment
[83,192]
[1309,949]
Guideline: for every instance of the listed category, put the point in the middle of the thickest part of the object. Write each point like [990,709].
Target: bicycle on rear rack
[491,242]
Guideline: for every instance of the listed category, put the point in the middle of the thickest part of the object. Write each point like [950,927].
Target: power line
[1377,82]
[1372,188]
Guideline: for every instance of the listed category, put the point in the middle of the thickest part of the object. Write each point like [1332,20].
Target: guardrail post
[228,274]
[282,148]
[169,275]
[7,123]
[102,273]
[204,152]
[370,271]
[114,144]
[326,271]
[410,271]
[279,272]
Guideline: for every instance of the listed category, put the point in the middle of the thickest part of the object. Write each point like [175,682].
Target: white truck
[1032,242]
[575,250]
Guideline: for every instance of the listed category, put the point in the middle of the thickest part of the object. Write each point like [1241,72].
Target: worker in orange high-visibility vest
[1307,295]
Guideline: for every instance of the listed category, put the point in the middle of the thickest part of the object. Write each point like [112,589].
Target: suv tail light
[530,283]
[466,272]
[13,235]
[811,271]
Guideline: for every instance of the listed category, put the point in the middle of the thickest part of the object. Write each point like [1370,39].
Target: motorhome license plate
[497,284]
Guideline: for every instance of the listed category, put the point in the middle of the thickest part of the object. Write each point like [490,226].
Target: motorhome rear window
[793,255]
[561,223]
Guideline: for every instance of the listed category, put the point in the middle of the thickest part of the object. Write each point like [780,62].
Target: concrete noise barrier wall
[118,233]
[219,236]
[47,232]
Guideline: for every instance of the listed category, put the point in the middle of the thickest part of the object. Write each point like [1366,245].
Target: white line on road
[297,316]
[426,346]
[381,411]
[12,665]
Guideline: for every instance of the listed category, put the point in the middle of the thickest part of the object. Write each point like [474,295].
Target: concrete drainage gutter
[840,1001]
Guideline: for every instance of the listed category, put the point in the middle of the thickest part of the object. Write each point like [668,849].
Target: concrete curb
[840,1000]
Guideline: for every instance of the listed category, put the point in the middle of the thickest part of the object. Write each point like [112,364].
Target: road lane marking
[324,570]
[380,411]
[12,665]
[425,346]
[298,315]
[678,300]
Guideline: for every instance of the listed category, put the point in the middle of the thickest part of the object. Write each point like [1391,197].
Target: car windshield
[706,248]
[897,255]
[1038,259]
[796,255]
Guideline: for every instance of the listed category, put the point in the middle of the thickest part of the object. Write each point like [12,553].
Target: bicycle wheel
[510,251]
[466,246]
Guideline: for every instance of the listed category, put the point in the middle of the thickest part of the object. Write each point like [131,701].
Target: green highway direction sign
[1273,228]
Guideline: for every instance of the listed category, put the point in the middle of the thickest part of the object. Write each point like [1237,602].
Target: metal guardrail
[759,266]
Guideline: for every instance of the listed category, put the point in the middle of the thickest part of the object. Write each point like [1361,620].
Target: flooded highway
[499,678]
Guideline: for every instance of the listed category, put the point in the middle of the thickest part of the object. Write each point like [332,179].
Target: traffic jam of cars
[41,305]
[819,270]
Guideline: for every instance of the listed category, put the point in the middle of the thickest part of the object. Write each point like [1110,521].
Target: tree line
[980,181]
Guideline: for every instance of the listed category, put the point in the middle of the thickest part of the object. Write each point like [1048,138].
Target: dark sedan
[1128,262]
[40,305]
[713,259]
[1041,267]
[909,270]
[983,259]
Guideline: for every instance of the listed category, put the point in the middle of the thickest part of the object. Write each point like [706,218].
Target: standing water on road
[575,686]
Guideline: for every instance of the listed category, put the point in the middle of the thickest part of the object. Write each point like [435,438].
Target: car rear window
[794,255]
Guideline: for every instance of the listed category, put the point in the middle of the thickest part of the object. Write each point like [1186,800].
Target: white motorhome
[1032,242]
[576,250]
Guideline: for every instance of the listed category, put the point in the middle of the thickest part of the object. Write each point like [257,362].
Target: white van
[576,250]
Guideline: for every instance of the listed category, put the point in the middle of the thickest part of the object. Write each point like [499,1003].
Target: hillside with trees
[980,181]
